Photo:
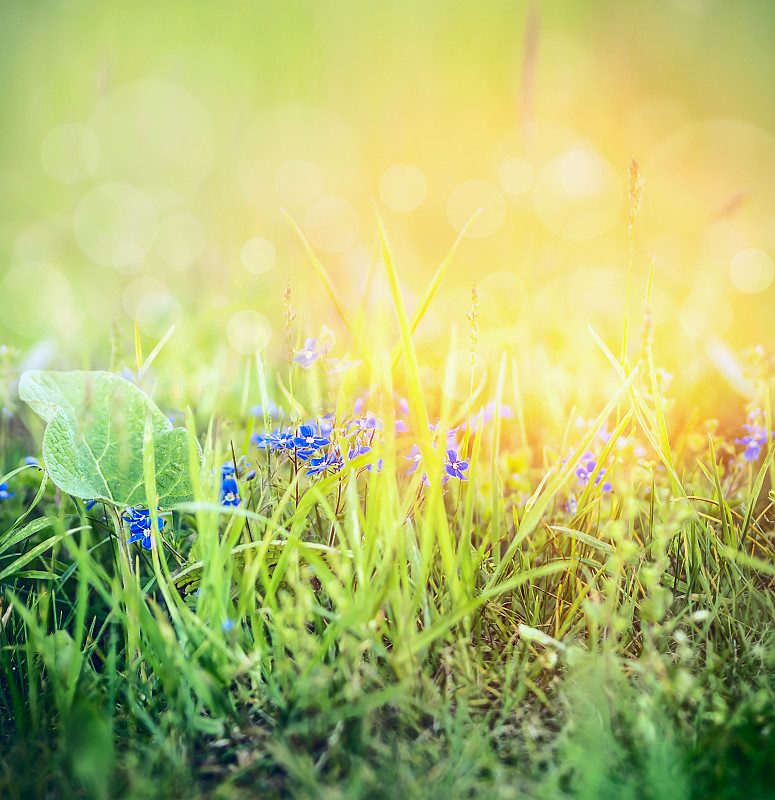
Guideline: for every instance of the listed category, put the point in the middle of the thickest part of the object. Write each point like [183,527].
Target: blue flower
[754,441]
[277,440]
[229,491]
[5,492]
[330,460]
[454,467]
[139,522]
[414,456]
[309,354]
[32,462]
[369,422]
[229,495]
[244,470]
[362,449]
[89,504]
[308,442]
[587,467]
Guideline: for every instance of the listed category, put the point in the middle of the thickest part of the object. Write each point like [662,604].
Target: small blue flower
[227,625]
[308,442]
[32,462]
[5,492]
[587,467]
[753,442]
[230,492]
[139,521]
[89,504]
[414,456]
[362,449]
[454,467]
[330,460]
[277,440]
[245,470]
[369,422]
[309,354]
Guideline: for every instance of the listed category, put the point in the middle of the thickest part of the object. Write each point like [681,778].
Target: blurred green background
[147,148]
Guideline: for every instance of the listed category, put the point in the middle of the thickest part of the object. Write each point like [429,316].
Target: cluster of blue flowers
[587,467]
[140,527]
[314,444]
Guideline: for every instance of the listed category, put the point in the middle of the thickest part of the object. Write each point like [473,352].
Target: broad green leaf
[93,443]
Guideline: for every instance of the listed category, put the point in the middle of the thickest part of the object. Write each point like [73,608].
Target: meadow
[369,433]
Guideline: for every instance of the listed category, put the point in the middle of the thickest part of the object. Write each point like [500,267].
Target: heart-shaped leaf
[93,443]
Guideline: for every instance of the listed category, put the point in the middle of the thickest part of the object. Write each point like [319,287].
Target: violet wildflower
[487,414]
[587,467]
[369,422]
[308,354]
[755,439]
[454,466]
[414,456]
[362,449]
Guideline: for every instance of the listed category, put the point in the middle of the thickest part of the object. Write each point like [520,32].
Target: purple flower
[414,456]
[362,449]
[587,467]
[309,354]
[487,413]
[454,467]
[753,442]
[369,422]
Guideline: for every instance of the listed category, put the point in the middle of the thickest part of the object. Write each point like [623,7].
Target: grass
[470,639]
